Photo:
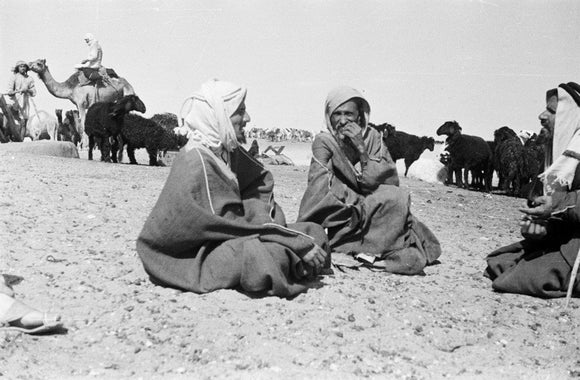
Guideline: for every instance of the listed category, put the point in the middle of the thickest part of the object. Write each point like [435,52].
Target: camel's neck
[60,90]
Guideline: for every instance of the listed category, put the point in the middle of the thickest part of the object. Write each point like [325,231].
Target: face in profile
[345,113]
[548,119]
[239,120]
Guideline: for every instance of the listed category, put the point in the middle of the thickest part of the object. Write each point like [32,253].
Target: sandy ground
[68,227]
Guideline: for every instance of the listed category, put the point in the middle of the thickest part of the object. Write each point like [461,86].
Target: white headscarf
[565,145]
[336,98]
[340,95]
[208,116]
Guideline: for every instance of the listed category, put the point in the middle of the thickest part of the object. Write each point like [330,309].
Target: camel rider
[92,63]
[20,89]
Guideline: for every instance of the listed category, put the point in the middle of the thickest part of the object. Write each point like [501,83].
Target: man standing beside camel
[20,89]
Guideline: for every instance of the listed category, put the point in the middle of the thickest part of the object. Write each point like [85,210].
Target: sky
[419,63]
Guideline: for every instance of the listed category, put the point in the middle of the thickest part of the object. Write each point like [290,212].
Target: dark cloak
[209,231]
[364,210]
[542,268]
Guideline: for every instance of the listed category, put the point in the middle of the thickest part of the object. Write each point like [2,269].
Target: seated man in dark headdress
[541,264]
[353,191]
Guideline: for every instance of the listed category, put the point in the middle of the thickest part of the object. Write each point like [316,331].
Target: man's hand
[353,132]
[542,208]
[533,229]
[534,220]
[314,260]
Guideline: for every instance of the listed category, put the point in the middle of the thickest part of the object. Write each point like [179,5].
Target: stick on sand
[572,279]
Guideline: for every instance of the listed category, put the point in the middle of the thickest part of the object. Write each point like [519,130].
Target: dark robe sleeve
[256,189]
[566,205]
[380,169]
[197,208]
[332,189]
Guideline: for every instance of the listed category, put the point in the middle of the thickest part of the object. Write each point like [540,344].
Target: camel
[81,96]
[40,125]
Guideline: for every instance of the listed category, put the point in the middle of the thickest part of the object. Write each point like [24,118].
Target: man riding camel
[91,67]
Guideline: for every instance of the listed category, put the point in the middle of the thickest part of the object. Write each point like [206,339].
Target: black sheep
[534,156]
[169,122]
[139,132]
[508,160]
[104,122]
[470,153]
[404,145]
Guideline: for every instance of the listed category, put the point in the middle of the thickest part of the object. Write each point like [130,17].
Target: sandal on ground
[11,320]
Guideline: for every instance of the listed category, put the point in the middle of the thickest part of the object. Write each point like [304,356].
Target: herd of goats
[516,159]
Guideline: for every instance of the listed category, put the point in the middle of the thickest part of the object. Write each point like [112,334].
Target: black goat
[508,160]
[62,134]
[139,132]
[104,122]
[470,153]
[404,145]
[72,122]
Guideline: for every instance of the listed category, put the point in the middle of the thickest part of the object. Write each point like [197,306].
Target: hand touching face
[347,114]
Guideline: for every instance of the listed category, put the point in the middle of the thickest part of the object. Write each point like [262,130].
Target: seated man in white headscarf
[541,264]
[353,191]
[216,224]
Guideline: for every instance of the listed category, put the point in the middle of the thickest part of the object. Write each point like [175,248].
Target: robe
[215,228]
[363,208]
[19,82]
[542,268]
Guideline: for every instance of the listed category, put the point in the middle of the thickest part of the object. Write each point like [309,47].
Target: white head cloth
[340,95]
[565,145]
[90,37]
[208,116]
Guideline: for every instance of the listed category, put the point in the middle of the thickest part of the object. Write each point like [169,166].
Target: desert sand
[68,228]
